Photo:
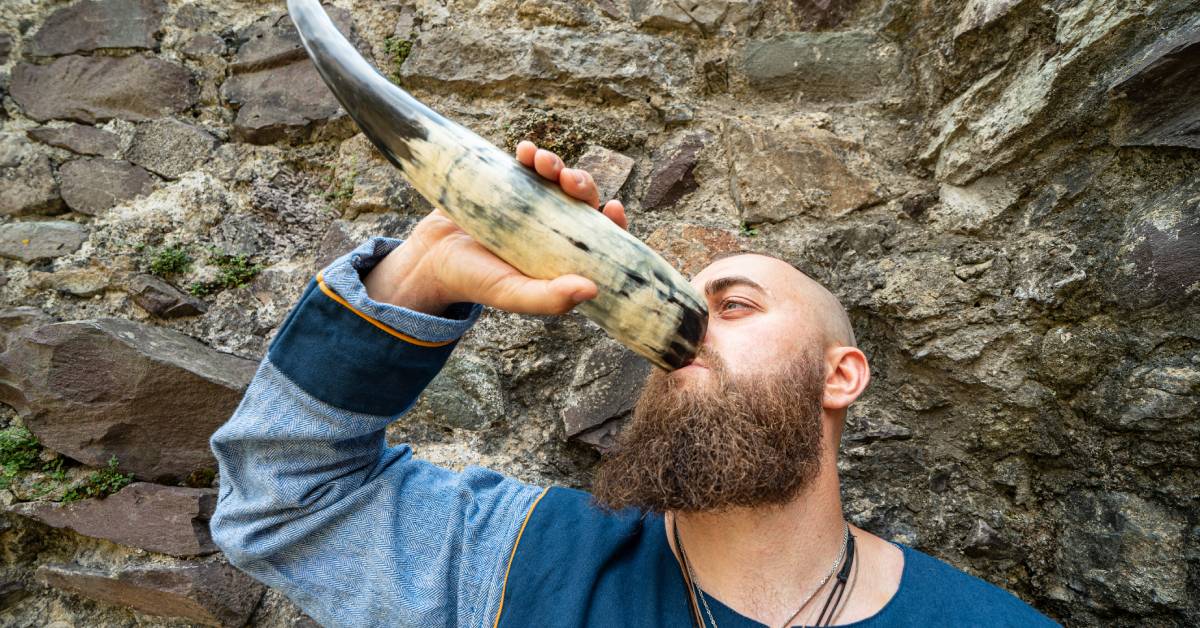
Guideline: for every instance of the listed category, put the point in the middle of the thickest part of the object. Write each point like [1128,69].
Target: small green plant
[233,271]
[170,260]
[100,483]
[747,231]
[19,451]
[397,50]
[341,190]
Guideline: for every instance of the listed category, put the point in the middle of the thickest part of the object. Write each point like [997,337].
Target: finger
[547,164]
[525,152]
[579,183]
[520,294]
[616,213]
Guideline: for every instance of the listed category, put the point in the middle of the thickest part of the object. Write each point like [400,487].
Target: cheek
[748,348]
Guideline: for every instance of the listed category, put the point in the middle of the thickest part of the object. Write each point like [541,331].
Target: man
[720,507]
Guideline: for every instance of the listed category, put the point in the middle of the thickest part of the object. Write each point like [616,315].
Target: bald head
[786,284]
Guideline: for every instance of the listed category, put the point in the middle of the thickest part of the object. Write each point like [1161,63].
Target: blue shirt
[313,502]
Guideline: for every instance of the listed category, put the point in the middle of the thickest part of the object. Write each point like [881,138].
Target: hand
[439,264]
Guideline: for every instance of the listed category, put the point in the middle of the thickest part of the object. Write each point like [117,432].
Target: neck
[764,561]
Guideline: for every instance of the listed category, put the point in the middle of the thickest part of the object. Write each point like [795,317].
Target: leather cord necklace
[827,610]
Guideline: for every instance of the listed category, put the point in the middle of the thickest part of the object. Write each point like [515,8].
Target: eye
[730,305]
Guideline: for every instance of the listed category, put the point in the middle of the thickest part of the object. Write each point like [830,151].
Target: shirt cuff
[359,355]
[344,277]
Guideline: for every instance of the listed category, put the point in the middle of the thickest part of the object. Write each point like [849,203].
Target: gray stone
[364,181]
[1123,551]
[165,519]
[32,241]
[552,12]
[1074,355]
[982,13]
[27,184]
[704,16]
[96,89]
[673,177]
[605,386]
[838,66]
[336,242]
[203,45]
[1157,257]
[276,89]
[466,394]
[78,138]
[169,147]
[6,41]
[620,65]
[984,540]
[11,591]
[212,594]
[93,24]
[965,208]
[608,168]
[80,282]
[1160,95]
[823,14]
[797,169]
[95,389]
[162,299]
[96,184]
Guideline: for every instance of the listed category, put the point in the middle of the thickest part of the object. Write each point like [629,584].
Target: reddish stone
[95,389]
[212,594]
[689,248]
[165,519]
[672,177]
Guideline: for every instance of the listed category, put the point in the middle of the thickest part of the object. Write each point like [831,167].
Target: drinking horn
[508,208]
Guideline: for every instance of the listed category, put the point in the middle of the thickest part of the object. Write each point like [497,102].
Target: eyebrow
[722,284]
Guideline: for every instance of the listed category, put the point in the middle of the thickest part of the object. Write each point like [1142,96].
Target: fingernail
[578,177]
[578,297]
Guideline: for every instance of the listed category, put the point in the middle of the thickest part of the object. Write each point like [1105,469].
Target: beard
[717,443]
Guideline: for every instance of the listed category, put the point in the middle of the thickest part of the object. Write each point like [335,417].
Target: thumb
[523,295]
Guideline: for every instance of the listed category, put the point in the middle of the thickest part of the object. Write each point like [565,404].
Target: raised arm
[313,502]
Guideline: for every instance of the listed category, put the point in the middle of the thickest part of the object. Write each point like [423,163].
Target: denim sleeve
[312,501]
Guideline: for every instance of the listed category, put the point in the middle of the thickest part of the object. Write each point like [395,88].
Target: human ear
[847,377]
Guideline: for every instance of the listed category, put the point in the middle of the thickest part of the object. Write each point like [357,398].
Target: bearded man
[720,505]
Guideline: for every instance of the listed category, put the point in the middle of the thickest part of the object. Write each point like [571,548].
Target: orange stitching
[406,338]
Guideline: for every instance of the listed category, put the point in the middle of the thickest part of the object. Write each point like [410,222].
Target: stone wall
[1004,193]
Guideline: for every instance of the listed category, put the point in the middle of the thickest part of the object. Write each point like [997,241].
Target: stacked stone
[1002,192]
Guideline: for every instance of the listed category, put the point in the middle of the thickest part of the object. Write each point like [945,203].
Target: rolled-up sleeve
[314,503]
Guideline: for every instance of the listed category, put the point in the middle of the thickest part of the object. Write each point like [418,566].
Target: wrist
[405,279]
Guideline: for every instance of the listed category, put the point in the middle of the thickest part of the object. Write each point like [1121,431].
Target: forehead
[777,277]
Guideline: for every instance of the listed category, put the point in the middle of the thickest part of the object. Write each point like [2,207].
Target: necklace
[846,551]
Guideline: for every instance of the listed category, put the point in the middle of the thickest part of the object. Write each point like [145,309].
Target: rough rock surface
[608,168]
[825,66]
[672,177]
[93,24]
[162,299]
[78,138]
[619,65]
[93,185]
[165,519]
[169,147]
[95,389]
[212,594]
[32,241]
[797,169]
[27,184]
[605,386]
[96,89]
[275,88]
[1003,193]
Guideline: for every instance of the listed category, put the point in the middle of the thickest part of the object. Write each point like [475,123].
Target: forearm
[312,501]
